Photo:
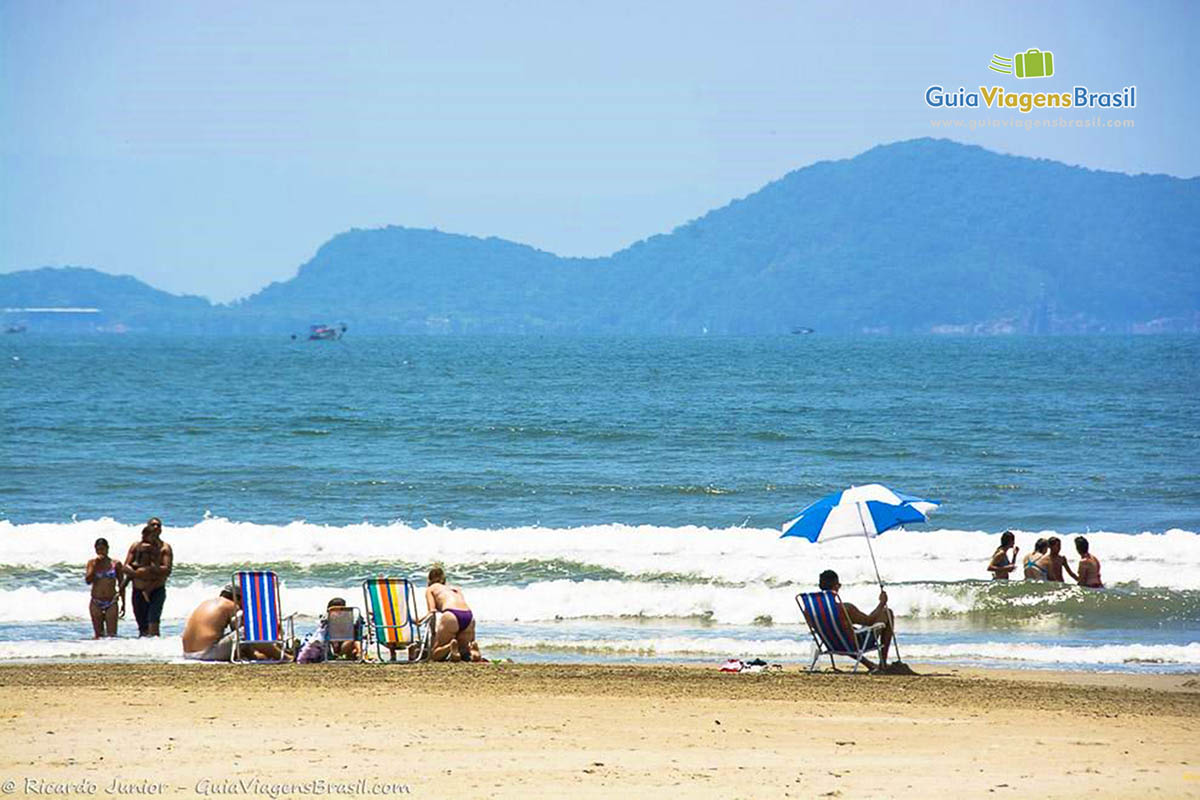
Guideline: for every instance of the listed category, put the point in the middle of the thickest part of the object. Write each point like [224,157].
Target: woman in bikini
[454,638]
[1034,571]
[107,579]
[1001,566]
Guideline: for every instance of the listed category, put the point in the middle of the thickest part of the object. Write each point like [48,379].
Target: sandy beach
[506,730]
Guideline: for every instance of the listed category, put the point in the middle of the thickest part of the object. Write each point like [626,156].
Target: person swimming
[1034,571]
[1001,566]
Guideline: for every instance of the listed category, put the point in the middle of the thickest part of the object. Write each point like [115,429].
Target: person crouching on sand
[1001,566]
[107,579]
[828,582]
[454,638]
[208,634]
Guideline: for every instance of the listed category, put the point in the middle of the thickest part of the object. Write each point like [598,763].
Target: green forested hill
[914,236]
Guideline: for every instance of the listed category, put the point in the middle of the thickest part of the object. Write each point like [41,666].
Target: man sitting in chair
[454,638]
[829,582]
[208,632]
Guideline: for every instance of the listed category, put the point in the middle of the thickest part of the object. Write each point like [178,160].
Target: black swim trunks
[148,612]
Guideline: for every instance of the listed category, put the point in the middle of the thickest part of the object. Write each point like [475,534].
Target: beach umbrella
[865,511]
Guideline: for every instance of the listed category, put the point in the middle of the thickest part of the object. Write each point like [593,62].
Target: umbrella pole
[874,563]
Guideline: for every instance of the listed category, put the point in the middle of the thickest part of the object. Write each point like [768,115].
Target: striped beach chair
[834,634]
[262,621]
[391,611]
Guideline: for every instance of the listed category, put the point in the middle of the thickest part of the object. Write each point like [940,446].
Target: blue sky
[211,147]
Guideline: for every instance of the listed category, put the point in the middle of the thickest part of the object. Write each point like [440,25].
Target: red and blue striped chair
[261,621]
[833,633]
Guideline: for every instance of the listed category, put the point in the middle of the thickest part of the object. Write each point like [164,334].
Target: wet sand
[502,730]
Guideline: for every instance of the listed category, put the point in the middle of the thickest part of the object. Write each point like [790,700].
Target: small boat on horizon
[326,333]
[799,330]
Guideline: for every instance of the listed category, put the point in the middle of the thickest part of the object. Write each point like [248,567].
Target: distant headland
[920,236]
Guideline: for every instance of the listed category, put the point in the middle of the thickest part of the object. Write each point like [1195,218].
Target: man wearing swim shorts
[149,564]
[454,637]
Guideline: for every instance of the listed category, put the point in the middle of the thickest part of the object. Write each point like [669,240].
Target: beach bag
[313,651]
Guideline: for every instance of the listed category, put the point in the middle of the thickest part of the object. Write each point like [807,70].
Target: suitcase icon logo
[1033,63]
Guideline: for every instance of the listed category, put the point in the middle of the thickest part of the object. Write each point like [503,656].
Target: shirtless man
[456,623]
[107,579]
[208,633]
[149,565]
[828,582]
[1054,562]
[1089,566]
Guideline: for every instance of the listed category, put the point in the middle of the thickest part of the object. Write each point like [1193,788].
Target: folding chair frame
[822,648]
[422,636]
[358,636]
[272,598]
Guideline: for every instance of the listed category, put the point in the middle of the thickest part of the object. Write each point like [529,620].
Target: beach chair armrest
[876,626]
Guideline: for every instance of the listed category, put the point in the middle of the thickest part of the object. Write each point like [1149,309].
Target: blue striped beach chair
[391,611]
[262,622]
[832,632]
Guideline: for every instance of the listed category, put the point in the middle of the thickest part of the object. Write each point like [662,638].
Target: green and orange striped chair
[391,610]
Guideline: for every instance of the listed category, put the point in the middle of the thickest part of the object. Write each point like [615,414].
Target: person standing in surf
[107,579]
[1001,566]
[1089,566]
[1055,562]
[149,564]
[1035,569]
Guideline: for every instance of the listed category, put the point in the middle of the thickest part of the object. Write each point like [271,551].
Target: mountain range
[918,236]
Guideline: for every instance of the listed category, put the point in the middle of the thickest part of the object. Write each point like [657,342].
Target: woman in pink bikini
[107,579]
[454,638]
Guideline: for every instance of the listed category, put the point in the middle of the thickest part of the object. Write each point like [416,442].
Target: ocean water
[615,499]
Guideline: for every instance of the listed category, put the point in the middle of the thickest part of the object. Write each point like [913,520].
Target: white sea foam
[791,650]
[733,555]
[168,648]
[565,599]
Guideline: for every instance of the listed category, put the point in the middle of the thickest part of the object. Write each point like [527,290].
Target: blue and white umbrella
[858,511]
[865,511]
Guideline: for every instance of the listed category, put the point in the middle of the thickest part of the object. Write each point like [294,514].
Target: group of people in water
[208,631]
[1046,562]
